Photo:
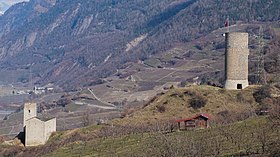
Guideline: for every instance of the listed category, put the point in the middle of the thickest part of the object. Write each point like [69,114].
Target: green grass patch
[153,62]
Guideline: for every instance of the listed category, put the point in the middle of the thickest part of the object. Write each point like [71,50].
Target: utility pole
[261,74]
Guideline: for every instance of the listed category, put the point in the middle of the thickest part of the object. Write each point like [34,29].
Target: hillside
[75,43]
[235,127]
[244,139]
[186,102]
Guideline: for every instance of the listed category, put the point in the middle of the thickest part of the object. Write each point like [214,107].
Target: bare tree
[262,136]
[86,118]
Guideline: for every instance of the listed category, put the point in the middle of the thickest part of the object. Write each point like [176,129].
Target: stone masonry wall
[237,56]
[50,127]
[34,132]
[30,111]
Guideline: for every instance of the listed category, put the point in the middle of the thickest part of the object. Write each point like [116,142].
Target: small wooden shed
[198,121]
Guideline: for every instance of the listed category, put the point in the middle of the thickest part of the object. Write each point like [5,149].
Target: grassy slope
[118,139]
[238,138]
[176,104]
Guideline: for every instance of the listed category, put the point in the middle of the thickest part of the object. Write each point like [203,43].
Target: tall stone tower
[236,60]
[29,111]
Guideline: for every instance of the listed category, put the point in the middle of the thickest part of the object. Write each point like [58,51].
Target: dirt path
[106,103]
[97,106]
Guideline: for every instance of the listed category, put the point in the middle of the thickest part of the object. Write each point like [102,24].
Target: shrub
[262,93]
[197,101]
[64,101]
[160,109]
[190,93]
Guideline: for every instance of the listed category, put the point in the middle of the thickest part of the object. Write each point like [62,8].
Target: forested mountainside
[74,43]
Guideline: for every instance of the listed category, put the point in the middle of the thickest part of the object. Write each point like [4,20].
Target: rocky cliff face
[66,42]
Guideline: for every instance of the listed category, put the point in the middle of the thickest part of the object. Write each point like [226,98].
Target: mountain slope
[75,43]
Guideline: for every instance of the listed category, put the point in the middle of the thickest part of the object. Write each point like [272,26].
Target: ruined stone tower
[36,131]
[30,111]
[236,60]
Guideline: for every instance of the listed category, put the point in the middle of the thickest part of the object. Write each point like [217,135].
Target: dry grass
[232,140]
[176,103]
[131,136]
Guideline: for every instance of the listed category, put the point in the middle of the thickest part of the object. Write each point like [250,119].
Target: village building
[199,121]
[36,131]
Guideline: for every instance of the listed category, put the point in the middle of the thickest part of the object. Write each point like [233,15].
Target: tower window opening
[239,86]
[29,111]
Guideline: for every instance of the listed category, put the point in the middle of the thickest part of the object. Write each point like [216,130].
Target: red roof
[192,118]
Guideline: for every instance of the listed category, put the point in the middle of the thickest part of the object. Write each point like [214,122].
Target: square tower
[36,131]
[29,111]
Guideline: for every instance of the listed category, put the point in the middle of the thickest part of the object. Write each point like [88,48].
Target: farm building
[198,121]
